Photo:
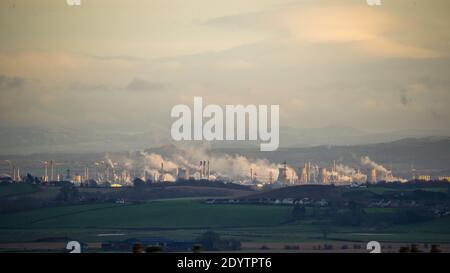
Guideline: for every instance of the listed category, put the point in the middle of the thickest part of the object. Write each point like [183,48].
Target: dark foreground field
[259,227]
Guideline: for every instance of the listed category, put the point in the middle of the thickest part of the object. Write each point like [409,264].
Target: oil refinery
[118,172]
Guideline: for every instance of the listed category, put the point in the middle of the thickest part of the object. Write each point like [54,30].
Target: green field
[17,189]
[157,214]
[184,219]
[381,190]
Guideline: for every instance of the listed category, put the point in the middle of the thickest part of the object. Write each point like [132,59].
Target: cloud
[62,68]
[10,83]
[235,64]
[373,32]
[80,86]
[254,20]
[143,85]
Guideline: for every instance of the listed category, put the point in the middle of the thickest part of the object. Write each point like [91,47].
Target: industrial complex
[115,174]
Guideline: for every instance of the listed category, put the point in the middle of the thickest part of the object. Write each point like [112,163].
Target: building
[323,176]
[373,176]
[183,174]
[304,175]
[77,179]
[425,178]
[282,174]
[444,178]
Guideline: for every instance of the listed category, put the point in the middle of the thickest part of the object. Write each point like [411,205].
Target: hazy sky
[124,64]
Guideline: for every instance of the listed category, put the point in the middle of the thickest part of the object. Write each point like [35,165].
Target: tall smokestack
[373,176]
[51,170]
[46,171]
[204,168]
[282,174]
[86,173]
[323,176]
[304,175]
[13,177]
[309,172]
[11,169]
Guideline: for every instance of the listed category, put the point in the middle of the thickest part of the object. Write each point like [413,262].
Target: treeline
[356,214]
[413,184]
[137,182]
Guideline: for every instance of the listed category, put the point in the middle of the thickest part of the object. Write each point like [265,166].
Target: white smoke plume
[349,174]
[109,162]
[222,166]
[366,161]
[386,174]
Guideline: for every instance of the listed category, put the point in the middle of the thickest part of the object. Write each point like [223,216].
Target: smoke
[222,166]
[156,161]
[349,174]
[386,174]
[163,164]
[167,177]
[109,162]
[366,161]
[225,166]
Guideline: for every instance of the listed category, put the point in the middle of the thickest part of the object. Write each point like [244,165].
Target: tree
[92,183]
[29,179]
[68,193]
[415,248]
[435,249]
[32,179]
[196,248]
[404,249]
[409,216]
[138,248]
[234,244]
[209,240]
[354,215]
[153,249]
[138,183]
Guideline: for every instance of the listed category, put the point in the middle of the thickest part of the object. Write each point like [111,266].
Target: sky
[123,65]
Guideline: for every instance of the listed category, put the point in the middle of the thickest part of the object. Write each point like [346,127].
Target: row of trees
[355,215]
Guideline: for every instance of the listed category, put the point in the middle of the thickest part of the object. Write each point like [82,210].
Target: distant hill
[26,140]
[429,155]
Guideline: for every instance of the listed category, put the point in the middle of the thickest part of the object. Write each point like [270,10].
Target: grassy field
[185,219]
[8,190]
[380,190]
[157,214]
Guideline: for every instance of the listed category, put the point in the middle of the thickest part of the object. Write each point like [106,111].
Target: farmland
[184,219]
[170,214]
[18,189]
